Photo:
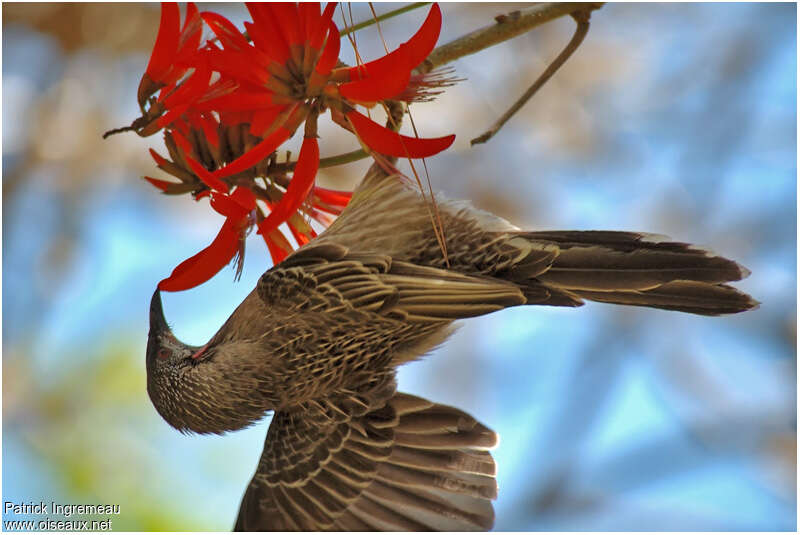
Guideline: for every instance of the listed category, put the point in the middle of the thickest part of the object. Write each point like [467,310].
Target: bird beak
[158,323]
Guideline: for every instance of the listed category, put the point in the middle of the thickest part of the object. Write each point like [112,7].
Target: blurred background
[671,118]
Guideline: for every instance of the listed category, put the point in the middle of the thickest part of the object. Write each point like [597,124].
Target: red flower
[280,74]
[174,48]
[229,241]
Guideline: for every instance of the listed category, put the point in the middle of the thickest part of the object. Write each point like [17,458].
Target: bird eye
[163,354]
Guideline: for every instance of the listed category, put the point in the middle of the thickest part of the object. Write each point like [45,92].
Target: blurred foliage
[88,428]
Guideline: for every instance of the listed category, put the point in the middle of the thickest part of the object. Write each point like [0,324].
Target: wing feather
[326,278]
[388,461]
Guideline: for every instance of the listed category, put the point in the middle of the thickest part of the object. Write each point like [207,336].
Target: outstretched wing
[372,460]
[329,278]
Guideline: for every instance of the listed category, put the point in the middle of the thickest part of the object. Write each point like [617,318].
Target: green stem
[330,161]
[340,159]
[385,16]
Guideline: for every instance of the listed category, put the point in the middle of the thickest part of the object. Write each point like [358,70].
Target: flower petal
[422,43]
[388,76]
[254,155]
[377,86]
[171,188]
[384,141]
[330,196]
[317,35]
[163,185]
[279,247]
[266,36]
[186,95]
[285,14]
[300,237]
[331,52]
[181,141]
[264,118]
[192,30]
[226,205]
[245,198]
[166,41]
[160,160]
[299,187]
[201,267]
[309,19]
[230,37]
[210,128]
[238,101]
[206,176]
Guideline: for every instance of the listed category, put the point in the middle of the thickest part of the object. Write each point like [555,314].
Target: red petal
[309,15]
[205,264]
[189,91]
[226,205]
[422,43]
[166,41]
[207,177]
[228,34]
[388,76]
[239,101]
[377,87]
[331,52]
[182,142]
[191,33]
[324,21]
[279,247]
[233,118]
[303,179]
[285,13]
[266,35]
[254,155]
[301,238]
[263,119]
[160,184]
[330,196]
[384,141]
[210,130]
[248,66]
[160,160]
[264,51]
[244,198]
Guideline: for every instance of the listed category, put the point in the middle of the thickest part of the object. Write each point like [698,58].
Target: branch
[506,27]
[581,29]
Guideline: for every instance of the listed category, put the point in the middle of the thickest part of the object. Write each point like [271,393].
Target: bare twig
[581,29]
[506,27]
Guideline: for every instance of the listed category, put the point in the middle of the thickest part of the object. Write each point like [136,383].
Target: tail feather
[636,269]
[683,296]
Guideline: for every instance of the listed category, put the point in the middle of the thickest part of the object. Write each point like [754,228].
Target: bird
[319,339]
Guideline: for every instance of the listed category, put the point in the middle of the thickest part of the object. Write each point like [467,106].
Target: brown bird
[319,338]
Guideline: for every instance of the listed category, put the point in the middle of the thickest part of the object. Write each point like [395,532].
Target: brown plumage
[319,338]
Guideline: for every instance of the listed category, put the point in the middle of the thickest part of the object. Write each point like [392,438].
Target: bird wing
[328,278]
[372,460]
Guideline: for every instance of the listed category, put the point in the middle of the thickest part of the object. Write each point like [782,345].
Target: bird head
[163,349]
[210,389]
[168,360]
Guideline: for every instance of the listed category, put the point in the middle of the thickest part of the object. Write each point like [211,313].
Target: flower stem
[330,161]
[390,14]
